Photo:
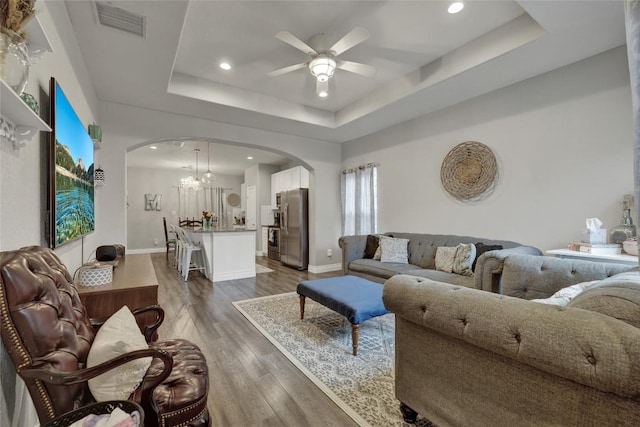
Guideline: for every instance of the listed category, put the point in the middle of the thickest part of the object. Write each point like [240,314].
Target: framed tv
[70,170]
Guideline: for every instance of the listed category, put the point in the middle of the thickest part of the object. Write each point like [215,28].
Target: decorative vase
[14,60]
[206,223]
[625,230]
[31,102]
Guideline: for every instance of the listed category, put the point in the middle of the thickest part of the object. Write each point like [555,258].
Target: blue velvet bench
[355,298]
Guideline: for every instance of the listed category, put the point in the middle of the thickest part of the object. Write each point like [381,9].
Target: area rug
[262,269]
[320,346]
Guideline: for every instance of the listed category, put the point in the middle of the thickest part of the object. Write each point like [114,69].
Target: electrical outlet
[155,242]
[329,253]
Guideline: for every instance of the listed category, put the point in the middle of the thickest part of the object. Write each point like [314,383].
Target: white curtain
[632,25]
[359,188]
[191,202]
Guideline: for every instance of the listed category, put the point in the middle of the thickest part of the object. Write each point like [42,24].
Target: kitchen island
[228,254]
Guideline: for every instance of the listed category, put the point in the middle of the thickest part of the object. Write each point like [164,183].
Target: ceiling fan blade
[357,68]
[285,70]
[289,38]
[352,38]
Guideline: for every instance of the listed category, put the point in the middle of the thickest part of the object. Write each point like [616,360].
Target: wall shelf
[24,121]
[18,122]
[37,41]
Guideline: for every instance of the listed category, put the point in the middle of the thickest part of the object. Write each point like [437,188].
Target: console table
[626,259]
[134,284]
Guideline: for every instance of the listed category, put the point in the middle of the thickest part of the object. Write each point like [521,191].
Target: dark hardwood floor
[251,382]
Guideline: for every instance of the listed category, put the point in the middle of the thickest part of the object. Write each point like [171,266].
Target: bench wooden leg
[302,297]
[355,330]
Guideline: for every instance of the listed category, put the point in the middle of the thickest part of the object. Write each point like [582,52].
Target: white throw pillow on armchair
[119,335]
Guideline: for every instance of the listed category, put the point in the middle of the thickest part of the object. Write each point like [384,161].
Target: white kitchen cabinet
[243,197]
[288,179]
[252,208]
[263,241]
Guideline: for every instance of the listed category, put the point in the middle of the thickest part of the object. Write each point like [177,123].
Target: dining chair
[192,257]
[183,222]
[169,243]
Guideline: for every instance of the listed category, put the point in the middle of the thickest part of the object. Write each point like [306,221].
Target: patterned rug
[262,269]
[320,346]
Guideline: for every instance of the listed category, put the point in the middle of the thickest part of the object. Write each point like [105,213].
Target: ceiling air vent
[120,19]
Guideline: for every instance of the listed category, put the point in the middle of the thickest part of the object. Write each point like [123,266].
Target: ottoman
[355,298]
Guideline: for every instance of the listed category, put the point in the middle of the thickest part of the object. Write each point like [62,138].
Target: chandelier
[190,182]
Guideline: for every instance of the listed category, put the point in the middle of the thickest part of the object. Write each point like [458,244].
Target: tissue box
[594,237]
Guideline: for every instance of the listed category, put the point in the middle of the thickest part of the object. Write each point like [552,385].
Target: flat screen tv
[70,183]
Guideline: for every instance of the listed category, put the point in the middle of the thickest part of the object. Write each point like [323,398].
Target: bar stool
[177,253]
[192,255]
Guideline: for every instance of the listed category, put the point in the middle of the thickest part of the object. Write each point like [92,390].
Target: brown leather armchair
[47,333]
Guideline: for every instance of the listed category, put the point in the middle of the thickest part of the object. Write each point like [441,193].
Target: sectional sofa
[422,259]
[466,357]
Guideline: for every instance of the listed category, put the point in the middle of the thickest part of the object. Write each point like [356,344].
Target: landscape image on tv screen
[74,198]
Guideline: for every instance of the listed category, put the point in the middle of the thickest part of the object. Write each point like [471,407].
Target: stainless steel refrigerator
[294,228]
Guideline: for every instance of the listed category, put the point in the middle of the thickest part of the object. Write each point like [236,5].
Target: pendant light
[208,176]
[197,180]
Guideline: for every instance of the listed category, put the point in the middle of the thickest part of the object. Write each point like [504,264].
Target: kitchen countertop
[200,230]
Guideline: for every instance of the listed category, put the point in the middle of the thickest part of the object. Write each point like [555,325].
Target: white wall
[23,171]
[563,141]
[145,226]
[23,175]
[125,128]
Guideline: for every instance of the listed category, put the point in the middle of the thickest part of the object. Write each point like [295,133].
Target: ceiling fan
[323,61]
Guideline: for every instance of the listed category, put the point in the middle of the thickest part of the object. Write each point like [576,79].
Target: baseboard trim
[234,275]
[316,269]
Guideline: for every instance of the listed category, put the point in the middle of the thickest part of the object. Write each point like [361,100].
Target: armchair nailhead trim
[45,399]
[165,418]
[12,330]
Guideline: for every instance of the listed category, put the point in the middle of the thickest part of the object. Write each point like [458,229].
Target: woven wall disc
[468,170]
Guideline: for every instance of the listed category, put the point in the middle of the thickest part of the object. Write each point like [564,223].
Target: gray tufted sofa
[422,254]
[471,358]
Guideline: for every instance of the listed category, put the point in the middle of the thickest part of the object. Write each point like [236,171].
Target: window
[359,187]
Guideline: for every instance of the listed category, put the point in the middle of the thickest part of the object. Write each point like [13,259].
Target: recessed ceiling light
[323,94]
[225,65]
[249,157]
[153,147]
[456,7]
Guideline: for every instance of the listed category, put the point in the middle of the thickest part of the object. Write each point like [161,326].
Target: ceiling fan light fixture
[322,67]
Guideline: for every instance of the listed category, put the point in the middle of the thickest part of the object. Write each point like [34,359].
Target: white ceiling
[426,59]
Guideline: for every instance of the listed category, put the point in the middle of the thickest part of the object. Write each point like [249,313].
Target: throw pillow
[378,253]
[120,334]
[373,242]
[482,248]
[463,261]
[394,250]
[444,258]
[564,296]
